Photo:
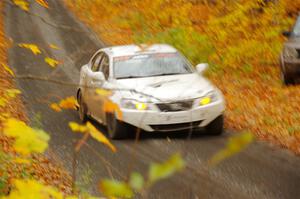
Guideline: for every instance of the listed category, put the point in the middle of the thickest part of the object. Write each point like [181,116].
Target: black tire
[116,129]
[216,127]
[82,110]
[286,79]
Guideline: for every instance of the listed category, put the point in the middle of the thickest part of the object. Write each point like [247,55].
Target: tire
[116,129]
[216,127]
[82,110]
[286,79]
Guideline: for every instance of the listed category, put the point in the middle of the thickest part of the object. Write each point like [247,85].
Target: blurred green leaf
[160,171]
[136,181]
[181,38]
[113,188]
[234,145]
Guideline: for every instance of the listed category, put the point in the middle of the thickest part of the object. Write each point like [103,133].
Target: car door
[89,94]
[97,100]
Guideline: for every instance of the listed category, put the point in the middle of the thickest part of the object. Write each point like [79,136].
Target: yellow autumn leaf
[103,92]
[77,128]
[55,107]
[12,93]
[23,4]
[100,137]
[54,46]
[25,189]
[3,101]
[9,93]
[52,62]
[111,107]
[26,139]
[34,48]
[234,146]
[93,132]
[8,69]
[4,116]
[21,161]
[43,3]
[68,103]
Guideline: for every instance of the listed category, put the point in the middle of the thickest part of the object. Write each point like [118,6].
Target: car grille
[175,127]
[175,106]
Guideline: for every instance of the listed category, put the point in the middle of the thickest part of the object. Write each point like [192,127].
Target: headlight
[290,52]
[133,104]
[208,98]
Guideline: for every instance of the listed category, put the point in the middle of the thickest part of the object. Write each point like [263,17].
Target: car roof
[129,50]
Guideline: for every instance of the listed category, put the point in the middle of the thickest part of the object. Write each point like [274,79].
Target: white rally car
[155,88]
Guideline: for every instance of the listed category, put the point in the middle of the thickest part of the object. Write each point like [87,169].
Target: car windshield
[147,65]
[296,30]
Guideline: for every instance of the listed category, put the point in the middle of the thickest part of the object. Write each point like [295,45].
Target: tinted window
[96,62]
[104,66]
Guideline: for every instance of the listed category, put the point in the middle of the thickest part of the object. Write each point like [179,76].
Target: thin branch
[106,163]
[71,84]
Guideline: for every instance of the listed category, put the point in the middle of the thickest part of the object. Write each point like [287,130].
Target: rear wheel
[82,109]
[216,126]
[116,129]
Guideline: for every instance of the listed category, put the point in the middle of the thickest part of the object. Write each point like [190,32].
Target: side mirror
[201,67]
[286,33]
[97,78]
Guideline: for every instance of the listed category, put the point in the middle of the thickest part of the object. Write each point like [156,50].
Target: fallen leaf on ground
[23,4]
[43,3]
[54,46]
[12,93]
[34,48]
[8,69]
[21,161]
[52,62]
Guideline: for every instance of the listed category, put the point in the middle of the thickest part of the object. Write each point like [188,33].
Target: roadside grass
[41,167]
[241,40]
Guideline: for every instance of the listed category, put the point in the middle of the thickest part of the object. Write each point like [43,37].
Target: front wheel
[116,129]
[286,79]
[216,127]
[82,109]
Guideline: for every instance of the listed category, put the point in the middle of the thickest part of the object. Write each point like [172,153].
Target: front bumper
[172,121]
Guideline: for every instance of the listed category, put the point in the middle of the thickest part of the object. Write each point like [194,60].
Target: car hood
[169,88]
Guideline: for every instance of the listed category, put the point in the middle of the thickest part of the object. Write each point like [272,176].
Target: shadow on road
[180,135]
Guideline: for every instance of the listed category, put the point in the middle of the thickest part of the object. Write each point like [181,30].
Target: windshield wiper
[162,74]
[130,77]
[165,74]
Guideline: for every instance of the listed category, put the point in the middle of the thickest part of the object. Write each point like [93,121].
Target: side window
[96,62]
[104,66]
